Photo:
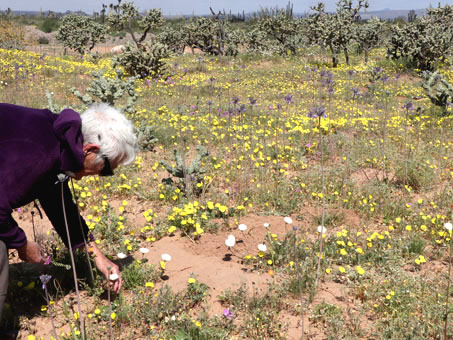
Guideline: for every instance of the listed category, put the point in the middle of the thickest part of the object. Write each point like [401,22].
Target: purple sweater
[36,146]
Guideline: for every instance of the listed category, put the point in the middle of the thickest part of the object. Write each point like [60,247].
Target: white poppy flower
[262,247]
[242,227]
[166,257]
[114,277]
[144,250]
[288,220]
[230,241]
[266,225]
[121,256]
[448,226]
[322,229]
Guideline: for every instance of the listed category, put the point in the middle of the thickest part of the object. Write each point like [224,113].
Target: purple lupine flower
[235,100]
[45,279]
[252,101]
[408,106]
[289,99]
[317,112]
[356,92]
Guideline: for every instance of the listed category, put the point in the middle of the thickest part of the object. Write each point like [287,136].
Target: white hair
[112,131]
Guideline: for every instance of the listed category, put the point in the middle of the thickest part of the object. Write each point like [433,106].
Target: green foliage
[424,41]
[43,41]
[438,89]
[136,275]
[49,25]
[80,33]
[110,90]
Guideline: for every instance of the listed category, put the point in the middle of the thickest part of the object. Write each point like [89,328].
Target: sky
[197,7]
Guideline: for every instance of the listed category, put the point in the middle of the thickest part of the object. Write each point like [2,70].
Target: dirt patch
[366,175]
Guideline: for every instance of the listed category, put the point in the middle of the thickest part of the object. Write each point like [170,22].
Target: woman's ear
[91,148]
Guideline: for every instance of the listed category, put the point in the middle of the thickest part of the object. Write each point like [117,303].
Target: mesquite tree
[80,33]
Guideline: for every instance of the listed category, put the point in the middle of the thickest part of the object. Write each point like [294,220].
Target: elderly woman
[39,151]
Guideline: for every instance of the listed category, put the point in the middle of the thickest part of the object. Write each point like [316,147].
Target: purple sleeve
[51,202]
[10,233]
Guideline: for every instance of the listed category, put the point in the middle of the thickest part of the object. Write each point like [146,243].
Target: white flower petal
[262,247]
[114,277]
[166,257]
[448,226]
[121,256]
[266,225]
[322,229]
[144,250]
[288,220]
[242,227]
[230,242]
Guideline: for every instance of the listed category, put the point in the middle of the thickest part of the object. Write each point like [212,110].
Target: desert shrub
[11,35]
[43,41]
[49,25]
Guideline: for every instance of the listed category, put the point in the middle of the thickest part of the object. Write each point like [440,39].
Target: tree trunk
[346,55]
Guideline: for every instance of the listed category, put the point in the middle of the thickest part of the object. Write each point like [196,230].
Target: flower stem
[82,326]
[321,233]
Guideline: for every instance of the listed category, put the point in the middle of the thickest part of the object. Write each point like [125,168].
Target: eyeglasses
[107,169]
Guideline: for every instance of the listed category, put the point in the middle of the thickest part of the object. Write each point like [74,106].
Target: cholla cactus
[123,15]
[212,35]
[148,60]
[145,137]
[438,89]
[369,35]
[140,58]
[424,41]
[173,38]
[279,33]
[80,33]
[335,31]
[194,171]
[110,90]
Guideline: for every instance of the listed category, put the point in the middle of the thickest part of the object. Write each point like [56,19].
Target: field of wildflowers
[275,198]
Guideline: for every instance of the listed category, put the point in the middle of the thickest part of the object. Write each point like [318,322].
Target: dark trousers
[4,261]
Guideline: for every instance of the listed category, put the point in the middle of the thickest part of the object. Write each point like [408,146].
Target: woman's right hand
[31,252]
